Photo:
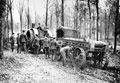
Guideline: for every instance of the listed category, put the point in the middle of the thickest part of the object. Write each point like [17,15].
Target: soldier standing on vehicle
[18,43]
[46,47]
[12,41]
[39,26]
[53,48]
[36,44]
[23,41]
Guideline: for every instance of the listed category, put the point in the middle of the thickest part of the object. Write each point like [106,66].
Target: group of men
[65,51]
[50,47]
[21,42]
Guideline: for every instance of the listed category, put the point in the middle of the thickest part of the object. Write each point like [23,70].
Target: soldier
[64,52]
[18,43]
[39,26]
[46,47]
[12,41]
[23,41]
[41,45]
[36,44]
[53,47]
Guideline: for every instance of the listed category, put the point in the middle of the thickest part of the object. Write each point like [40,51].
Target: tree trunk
[108,21]
[2,11]
[80,27]
[11,16]
[8,29]
[84,26]
[101,24]
[7,21]
[57,21]
[90,18]
[51,17]
[46,22]
[21,22]
[28,21]
[76,14]
[116,25]
[62,13]
[1,39]
[57,13]
[97,9]
[105,25]
[57,17]
[74,21]
[94,27]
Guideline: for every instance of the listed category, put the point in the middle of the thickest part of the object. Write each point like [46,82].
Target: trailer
[82,48]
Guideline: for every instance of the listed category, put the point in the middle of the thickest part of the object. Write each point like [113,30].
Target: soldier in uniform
[23,41]
[64,52]
[36,44]
[46,47]
[41,46]
[39,26]
[18,43]
[12,41]
[53,47]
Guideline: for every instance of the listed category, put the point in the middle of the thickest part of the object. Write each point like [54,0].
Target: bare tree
[9,3]
[28,15]
[7,21]
[105,24]
[47,4]
[76,14]
[21,10]
[62,12]
[35,13]
[57,12]
[51,19]
[97,9]
[89,7]
[82,15]
[2,11]
[116,24]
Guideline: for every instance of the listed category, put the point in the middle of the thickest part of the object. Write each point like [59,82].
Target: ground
[28,68]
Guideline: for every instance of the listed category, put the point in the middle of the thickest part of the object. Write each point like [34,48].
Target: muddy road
[28,68]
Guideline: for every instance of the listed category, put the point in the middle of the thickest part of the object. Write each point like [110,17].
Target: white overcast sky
[39,7]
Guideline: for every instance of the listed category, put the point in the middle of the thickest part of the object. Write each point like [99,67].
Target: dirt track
[27,68]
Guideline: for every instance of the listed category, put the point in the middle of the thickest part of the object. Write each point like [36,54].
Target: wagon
[82,51]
